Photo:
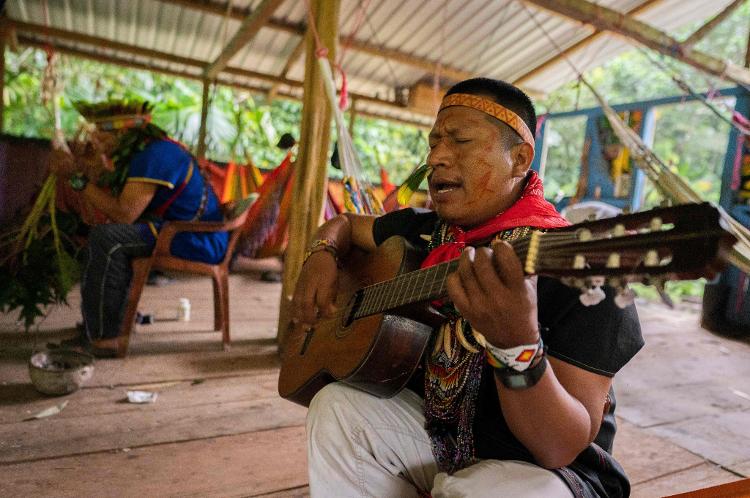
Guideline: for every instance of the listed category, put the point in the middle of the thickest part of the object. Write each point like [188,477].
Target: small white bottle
[183,311]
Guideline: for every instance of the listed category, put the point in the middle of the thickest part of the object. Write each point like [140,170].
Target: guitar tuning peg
[652,258]
[591,296]
[625,297]
[597,281]
[665,298]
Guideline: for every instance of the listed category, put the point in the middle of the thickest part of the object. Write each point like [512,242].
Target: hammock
[235,182]
[265,232]
[671,185]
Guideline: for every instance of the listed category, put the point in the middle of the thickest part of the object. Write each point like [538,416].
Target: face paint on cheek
[484,182]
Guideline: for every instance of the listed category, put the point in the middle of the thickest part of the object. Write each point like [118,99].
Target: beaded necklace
[453,374]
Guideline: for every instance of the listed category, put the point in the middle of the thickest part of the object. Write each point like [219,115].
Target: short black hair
[502,93]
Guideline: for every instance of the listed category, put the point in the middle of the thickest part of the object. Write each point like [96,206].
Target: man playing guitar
[514,395]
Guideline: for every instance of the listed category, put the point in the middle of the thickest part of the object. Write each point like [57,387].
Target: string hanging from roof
[737,121]
[359,195]
[671,185]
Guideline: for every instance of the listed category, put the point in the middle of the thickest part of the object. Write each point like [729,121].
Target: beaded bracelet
[518,358]
[322,245]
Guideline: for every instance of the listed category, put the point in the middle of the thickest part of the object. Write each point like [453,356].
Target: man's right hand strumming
[315,293]
[316,288]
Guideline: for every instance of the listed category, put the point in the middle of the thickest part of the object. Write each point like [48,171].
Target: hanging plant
[38,264]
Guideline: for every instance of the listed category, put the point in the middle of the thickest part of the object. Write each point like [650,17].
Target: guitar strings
[548,241]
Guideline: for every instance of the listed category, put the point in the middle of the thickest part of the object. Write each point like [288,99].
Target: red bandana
[531,210]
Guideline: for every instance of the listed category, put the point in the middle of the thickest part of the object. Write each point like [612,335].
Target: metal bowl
[60,371]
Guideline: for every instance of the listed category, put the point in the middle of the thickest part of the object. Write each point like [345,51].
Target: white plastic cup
[183,310]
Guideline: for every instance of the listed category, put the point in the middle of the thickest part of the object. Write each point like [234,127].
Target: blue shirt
[168,165]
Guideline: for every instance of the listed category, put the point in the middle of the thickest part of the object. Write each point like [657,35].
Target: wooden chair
[161,259]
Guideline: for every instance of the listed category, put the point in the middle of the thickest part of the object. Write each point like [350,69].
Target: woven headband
[110,123]
[493,109]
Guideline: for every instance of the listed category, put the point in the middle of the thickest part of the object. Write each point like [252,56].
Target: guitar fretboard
[414,287]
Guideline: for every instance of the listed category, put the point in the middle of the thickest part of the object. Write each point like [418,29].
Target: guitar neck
[685,241]
[414,287]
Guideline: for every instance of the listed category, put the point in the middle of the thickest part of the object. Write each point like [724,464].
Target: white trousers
[362,446]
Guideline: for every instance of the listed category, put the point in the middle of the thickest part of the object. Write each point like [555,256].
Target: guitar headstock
[675,243]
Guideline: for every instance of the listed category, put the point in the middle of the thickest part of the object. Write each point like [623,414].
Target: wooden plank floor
[218,427]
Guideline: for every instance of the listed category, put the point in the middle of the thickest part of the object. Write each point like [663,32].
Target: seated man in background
[151,179]
[514,398]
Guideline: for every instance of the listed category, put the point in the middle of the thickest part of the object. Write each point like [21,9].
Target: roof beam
[212,8]
[248,29]
[611,20]
[701,32]
[106,59]
[165,57]
[578,45]
[44,31]
[427,65]
[395,119]
[119,61]
[296,54]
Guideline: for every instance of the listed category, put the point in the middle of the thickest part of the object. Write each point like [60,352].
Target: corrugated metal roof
[497,38]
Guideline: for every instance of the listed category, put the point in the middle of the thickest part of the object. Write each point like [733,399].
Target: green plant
[38,265]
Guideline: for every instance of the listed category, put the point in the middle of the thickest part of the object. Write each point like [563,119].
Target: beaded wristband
[518,358]
[322,245]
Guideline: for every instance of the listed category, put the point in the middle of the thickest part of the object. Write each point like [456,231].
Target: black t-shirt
[600,339]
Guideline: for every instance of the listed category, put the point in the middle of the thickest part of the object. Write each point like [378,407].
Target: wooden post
[311,167]
[201,152]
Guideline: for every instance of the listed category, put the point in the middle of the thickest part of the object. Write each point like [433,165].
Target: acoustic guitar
[376,339]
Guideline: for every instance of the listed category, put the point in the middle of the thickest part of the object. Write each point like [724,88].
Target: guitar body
[377,353]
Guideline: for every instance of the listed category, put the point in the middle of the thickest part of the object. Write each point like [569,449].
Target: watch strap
[513,379]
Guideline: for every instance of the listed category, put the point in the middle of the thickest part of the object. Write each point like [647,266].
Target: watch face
[522,380]
[516,381]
